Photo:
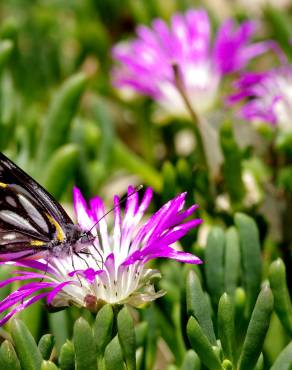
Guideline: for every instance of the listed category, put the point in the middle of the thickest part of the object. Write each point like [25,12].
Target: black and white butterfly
[32,223]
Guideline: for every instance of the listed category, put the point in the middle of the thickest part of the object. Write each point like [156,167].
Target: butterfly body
[32,223]
[75,241]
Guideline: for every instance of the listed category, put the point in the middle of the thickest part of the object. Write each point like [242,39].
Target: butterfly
[32,223]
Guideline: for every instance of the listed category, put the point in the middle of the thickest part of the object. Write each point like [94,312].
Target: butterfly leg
[98,236]
[90,254]
[73,264]
[83,259]
[46,271]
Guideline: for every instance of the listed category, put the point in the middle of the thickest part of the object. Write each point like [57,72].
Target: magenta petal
[165,252]
[84,215]
[20,278]
[89,274]
[22,307]
[266,95]
[35,265]
[110,264]
[56,290]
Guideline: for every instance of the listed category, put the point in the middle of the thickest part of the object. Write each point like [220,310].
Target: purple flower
[145,64]
[113,269]
[267,96]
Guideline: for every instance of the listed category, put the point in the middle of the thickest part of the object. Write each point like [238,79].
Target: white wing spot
[33,212]
[10,236]
[15,220]
[11,201]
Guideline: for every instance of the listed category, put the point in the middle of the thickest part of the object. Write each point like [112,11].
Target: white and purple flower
[267,97]
[113,269]
[145,65]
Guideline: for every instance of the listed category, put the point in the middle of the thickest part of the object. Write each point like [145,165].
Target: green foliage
[126,337]
[257,329]
[284,360]
[232,168]
[232,260]
[113,357]
[202,346]
[27,351]
[198,306]
[214,259]
[84,346]
[226,326]
[283,306]
[240,340]
[67,356]
[251,257]
[46,345]
[62,110]
[102,329]
[8,357]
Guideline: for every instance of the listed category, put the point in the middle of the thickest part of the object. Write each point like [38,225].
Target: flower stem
[181,89]
[197,122]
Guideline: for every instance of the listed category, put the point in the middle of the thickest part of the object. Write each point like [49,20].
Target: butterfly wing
[29,216]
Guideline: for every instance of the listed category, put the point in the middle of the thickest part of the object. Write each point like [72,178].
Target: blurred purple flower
[113,268]
[267,96]
[145,64]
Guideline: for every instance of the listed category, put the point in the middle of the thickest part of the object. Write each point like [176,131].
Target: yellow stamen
[3,185]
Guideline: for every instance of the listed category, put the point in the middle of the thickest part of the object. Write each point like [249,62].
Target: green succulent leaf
[67,356]
[226,329]
[284,360]
[46,345]
[58,323]
[232,261]
[227,365]
[84,346]
[7,109]
[198,306]
[202,346]
[113,356]
[169,180]
[283,306]
[27,351]
[141,331]
[134,164]
[127,338]
[102,329]
[62,109]
[8,357]
[232,168]
[60,169]
[214,258]
[191,361]
[260,363]
[251,257]
[48,365]
[257,329]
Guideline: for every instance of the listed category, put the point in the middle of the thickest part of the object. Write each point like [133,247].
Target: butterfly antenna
[121,201]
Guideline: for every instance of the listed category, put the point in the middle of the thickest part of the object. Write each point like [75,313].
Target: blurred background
[63,121]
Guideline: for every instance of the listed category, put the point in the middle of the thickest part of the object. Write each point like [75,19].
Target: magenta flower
[267,96]
[113,271]
[145,64]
